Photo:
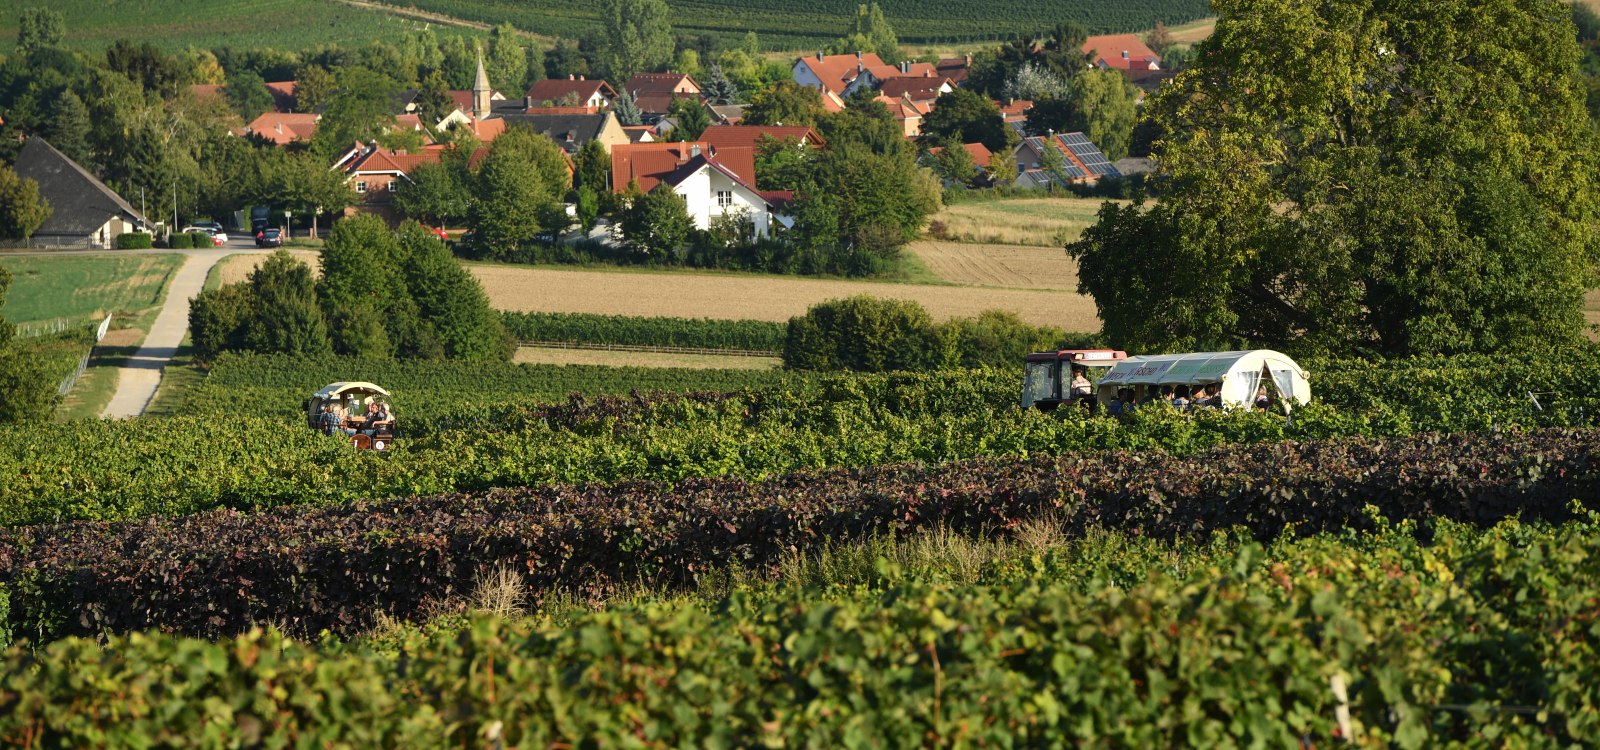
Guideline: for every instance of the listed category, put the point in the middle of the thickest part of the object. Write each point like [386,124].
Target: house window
[724,198]
[361,187]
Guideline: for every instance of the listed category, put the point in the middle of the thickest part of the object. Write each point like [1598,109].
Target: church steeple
[481,92]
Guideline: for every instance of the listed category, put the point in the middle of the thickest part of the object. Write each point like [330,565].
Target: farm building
[84,212]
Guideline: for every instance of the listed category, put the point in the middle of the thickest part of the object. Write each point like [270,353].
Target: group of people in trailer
[1181,397]
[336,420]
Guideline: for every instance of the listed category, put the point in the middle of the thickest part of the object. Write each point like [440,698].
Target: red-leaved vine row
[310,569]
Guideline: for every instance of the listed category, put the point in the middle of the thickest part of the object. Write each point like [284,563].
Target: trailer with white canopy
[1239,373]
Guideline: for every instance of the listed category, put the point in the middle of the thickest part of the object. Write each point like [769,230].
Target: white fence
[66,384]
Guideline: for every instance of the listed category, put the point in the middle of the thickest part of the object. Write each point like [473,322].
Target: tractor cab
[1047,377]
[350,400]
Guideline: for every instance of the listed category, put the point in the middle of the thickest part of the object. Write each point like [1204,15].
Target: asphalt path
[140,376]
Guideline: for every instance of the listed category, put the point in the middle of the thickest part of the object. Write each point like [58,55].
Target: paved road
[138,379]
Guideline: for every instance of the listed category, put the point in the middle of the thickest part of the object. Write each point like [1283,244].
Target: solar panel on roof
[1090,155]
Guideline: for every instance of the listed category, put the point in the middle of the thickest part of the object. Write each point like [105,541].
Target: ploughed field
[901,559]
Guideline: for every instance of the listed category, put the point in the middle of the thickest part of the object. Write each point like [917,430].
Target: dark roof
[568,131]
[80,204]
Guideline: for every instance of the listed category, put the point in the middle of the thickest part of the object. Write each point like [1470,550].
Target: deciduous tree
[637,37]
[968,117]
[21,208]
[1400,178]
[785,103]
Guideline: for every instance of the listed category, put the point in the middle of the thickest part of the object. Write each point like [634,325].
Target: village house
[654,93]
[1128,54]
[572,91]
[720,137]
[714,183]
[84,212]
[284,128]
[1081,161]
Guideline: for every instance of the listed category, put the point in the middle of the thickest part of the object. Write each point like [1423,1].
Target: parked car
[210,226]
[269,237]
[218,238]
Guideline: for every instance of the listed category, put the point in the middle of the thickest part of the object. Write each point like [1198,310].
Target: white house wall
[700,193]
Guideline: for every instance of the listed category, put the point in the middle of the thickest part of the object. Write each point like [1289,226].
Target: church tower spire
[481,92]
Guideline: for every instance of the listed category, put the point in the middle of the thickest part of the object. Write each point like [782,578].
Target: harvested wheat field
[1017,266]
[237,267]
[728,296]
[1043,221]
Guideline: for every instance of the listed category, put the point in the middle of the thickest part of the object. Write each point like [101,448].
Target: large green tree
[870,32]
[785,103]
[967,116]
[637,37]
[286,318]
[439,194]
[21,208]
[38,28]
[1361,176]
[504,58]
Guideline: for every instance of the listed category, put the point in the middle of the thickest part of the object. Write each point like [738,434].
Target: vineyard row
[340,568]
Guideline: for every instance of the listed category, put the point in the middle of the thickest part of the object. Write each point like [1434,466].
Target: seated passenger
[377,419]
[1180,397]
[333,423]
[1263,399]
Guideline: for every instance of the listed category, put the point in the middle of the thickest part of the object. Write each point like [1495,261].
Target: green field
[177,24]
[80,287]
[782,24]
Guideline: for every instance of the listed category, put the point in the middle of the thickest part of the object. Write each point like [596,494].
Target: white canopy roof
[1239,372]
[337,389]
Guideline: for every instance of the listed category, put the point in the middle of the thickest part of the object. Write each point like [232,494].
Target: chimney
[969,59]
[819,55]
[905,66]
[572,76]
[694,150]
[858,55]
[527,102]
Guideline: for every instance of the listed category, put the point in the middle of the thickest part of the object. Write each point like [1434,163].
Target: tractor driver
[1081,387]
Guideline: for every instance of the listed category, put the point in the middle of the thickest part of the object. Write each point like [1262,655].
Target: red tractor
[1064,377]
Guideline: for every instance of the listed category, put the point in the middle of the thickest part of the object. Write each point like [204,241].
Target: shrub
[135,241]
[864,334]
[995,338]
[217,320]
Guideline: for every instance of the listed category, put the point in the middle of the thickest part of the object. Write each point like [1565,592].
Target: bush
[217,320]
[179,241]
[135,241]
[995,338]
[864,334]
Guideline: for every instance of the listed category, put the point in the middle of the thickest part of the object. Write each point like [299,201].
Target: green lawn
[82,287]
[178,24]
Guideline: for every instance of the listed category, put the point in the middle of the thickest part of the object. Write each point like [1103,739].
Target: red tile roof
[918,88]
[1120,51]
[203,90]
[561,110]
[282,94]
[553,89]
[836,71]
[655,92]
[1015,110]
[650,164]
[662,83]
[749,136]
[979,152]
[779,200]
[283,128]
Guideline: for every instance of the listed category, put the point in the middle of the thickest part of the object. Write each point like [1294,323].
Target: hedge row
[699,333]
[222,572]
